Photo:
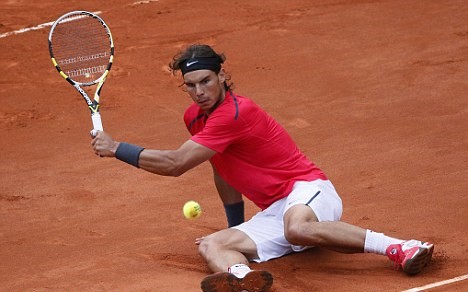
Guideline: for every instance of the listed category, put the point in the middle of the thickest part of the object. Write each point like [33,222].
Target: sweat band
[235,213]
[128,153]
[201,63]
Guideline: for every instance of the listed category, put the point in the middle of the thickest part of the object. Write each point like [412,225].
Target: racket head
[81,47]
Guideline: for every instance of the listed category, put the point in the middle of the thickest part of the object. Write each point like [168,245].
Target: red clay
[374,92]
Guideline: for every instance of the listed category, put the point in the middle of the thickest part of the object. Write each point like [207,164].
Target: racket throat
[94,108]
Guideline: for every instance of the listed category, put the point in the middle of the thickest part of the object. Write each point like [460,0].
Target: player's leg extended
[312,222]
[312,215]
[302,228]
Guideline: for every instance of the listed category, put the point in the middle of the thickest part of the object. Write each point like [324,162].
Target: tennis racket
[82,51]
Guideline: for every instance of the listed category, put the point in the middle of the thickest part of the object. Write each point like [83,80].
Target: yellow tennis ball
[192,210]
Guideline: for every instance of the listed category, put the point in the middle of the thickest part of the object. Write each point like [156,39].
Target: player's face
[206,88]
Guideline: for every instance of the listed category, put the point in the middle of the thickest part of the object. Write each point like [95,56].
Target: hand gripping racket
[82,51]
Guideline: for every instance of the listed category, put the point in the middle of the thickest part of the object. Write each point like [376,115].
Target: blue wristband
[235,213]
[129,153]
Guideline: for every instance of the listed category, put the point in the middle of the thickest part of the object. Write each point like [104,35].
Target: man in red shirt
[253,156]
[254,153]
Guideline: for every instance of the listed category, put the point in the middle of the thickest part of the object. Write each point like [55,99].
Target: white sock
[239,270]
[378,242]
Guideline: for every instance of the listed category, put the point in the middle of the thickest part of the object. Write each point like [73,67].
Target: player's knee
[208,244]
[203,247]
[302,234]
[293,233]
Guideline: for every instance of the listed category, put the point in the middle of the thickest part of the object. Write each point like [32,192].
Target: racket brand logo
[191,63]
[84,94]
[83,58]
[86,71]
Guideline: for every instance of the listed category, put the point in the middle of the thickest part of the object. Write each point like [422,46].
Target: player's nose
[199,90]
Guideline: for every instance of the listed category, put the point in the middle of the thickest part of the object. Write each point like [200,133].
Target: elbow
[176,169]
[176,172]
[168,171]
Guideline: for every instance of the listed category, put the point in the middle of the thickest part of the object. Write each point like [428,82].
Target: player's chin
[205,106]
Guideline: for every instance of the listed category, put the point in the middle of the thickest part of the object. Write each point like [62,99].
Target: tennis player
[254,157]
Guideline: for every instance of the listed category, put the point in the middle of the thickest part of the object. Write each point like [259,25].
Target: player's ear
[222,76]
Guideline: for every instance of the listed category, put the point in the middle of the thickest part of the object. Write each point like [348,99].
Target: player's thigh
[299,213]
[266,229]
[314,201]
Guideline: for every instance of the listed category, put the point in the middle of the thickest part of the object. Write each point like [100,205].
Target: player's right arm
[175,162]
[162,162]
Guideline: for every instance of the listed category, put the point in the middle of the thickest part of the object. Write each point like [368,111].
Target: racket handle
[97,123]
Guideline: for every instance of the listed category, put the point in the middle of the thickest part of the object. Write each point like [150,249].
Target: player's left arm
[232,200]
[162,162]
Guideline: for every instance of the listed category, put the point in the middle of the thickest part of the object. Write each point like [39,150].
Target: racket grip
[97,123]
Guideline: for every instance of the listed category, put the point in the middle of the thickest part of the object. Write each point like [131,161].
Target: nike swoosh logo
[191,63]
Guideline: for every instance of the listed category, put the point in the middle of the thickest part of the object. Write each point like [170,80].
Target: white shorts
[266,228]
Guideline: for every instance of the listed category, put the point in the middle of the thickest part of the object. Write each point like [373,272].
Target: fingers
[95,142]
[199,240]
[93,133]
[103,144]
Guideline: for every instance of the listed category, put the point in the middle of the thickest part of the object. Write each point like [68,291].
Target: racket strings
[81,47]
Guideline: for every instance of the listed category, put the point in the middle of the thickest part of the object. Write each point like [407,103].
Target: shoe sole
[254,281]
[420,260]
[257,281]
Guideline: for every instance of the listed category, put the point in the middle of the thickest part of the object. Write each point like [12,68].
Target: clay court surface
[374,92]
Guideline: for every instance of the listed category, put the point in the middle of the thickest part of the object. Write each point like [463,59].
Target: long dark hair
[198,51]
